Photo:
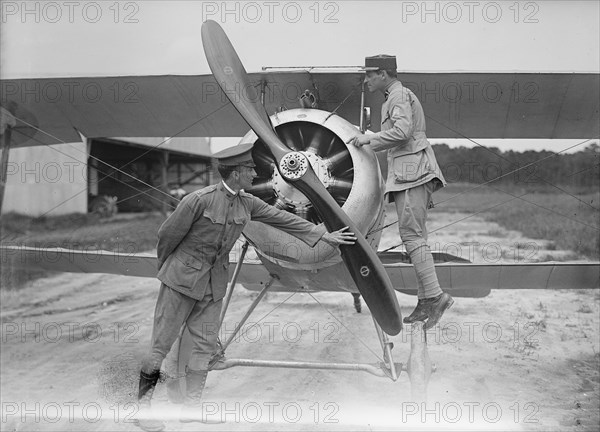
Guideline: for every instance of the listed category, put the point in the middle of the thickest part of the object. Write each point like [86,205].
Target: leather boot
[419,314]
[192,409]
[430,310]
[147,385]
[436,307]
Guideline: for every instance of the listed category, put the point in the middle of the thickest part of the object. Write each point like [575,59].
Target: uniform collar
[230,193]
[388,89]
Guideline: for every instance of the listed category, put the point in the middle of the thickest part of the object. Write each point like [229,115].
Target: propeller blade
[365,268]
[231,76]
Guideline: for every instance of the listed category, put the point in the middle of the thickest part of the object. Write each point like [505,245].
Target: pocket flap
[215,215]
[240,219]
[410,167]
[191,261]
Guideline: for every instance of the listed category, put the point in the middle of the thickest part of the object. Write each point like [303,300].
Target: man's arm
[401,117]
[176,227]
[401,131]
[300,228]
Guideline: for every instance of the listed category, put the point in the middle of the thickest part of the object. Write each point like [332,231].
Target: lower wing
[459,278]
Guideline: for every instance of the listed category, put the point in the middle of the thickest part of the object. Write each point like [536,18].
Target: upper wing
[507,105]
[475,105]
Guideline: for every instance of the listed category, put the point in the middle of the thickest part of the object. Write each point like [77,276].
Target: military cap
[380,62]
[237,155]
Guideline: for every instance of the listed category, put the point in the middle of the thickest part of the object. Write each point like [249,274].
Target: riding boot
[419,314]
[436,307]
[192,410]
[146,388]
[430,310]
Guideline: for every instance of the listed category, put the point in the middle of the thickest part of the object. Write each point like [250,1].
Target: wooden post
[164,181]
[419,364]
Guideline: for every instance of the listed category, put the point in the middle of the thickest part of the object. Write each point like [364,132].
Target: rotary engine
[352,177]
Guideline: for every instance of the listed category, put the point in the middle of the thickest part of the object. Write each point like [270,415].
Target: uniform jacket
[195,241]
[411,160]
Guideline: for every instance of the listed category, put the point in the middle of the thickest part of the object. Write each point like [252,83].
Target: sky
[109,38]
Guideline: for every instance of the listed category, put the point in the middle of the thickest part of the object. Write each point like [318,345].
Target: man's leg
[411,206]
[171,366]
[202,324]
[172,308]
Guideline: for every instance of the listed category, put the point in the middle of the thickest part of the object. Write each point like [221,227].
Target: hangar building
[135,174]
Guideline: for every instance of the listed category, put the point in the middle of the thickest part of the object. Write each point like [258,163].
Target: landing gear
[103,205]
[419,366]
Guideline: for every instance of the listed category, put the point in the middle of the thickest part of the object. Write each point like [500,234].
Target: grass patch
[584,308]
[79,231]
[497,233]
[548,257]
[126,233]
[568,222]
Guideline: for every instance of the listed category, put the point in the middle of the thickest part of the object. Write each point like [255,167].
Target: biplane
[300,119]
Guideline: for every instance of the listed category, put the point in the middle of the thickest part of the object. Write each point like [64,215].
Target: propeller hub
[293,165]
[285,191]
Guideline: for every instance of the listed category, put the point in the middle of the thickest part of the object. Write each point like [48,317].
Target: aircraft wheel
[104,205]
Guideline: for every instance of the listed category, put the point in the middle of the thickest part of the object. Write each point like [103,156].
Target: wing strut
[7,121]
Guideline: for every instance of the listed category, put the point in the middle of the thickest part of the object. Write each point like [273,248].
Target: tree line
[526,169]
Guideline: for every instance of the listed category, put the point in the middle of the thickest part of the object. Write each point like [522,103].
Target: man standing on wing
[413,175]
[193,259]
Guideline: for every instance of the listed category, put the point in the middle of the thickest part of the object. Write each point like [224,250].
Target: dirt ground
[515,360]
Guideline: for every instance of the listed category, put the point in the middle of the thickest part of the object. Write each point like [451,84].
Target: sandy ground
[515,360]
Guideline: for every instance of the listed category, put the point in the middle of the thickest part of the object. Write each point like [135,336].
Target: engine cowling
[351,175]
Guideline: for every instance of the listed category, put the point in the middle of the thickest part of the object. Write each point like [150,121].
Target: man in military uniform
[413,175]
[193,259]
